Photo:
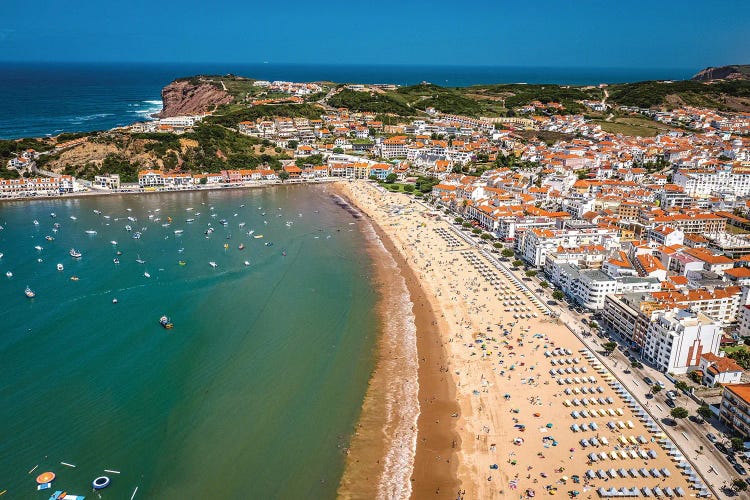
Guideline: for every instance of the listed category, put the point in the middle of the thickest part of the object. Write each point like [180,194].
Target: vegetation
[230,116]
[738,444]
[704,411]
[558,295]
[517,263]
[531,273]
[655,389]
[692,93]
[741,356]
[738,484]
[609,347]
[679,412]
[683,386]
[370,102]
[544,284]
[507,253]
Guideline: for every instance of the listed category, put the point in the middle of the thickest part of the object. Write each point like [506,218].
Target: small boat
[147,275]
[114,301]
[36,222]
[49,238]
[226,246]
[90,231]
[9,274]
[247,263]
[242,224]
[116,260]
[75,254]
[97,212]
[241,247]
[139,260]
[182,263]
[39,260]
[164,322]
[52,214]
[258,236]
[132,219]
[169,219]
[283,253]
[29,293]
[212,264]
[1,255]
[250,233]
[189,220]
[38,248]
[119,253]
[178,231]
[128,228]
[56,225]
[136,235]
[113,242]
[269,243]
[73,217]
[60,267]
[74,278]
[223,222]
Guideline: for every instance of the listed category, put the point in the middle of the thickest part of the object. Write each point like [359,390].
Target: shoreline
[431,463]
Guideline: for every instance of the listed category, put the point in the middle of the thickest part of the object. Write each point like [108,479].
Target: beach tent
[679,492]
[604,441]
[666,472]
[590,473]
[651,454]
[646,491]
[612,473]
[594,458]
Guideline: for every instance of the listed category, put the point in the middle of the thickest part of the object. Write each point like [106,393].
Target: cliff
[733,72]
[189,97]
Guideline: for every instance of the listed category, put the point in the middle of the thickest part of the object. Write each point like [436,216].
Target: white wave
[147,108]
[85,118]
[402,393]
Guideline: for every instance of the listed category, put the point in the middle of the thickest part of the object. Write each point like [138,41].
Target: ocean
[254,392]
[47,99]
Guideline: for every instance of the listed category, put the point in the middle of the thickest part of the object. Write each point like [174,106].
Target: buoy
[45,477]
[100,482]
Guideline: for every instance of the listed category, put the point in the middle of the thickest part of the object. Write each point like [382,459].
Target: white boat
[128,228]
[116,260]
[29,293]
[1,255]
[242,224]
[178,231]
[75,254]
[212,264]
[9,274]
[73,217]
[60,267]
[250,233]
[147,275]
[36,222]
[38,248]
[189,220]
[52,214]
[90,231]
[97,212]
[113,242]
[132,219]
[139,260]
[247,263]
[136,235]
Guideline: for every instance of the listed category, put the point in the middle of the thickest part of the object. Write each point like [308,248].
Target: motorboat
[38,248]
[178,231]
[147,275]
[164,322]
[212,264]
[60,267]
[128,228]
[36,222]
[247,263]
[29,293]
[139,260]
[116,260]
[49,238]
[90,231]
[74,278]
[75,254]
[9,274]
[113,242]
[241,247]
[136,235]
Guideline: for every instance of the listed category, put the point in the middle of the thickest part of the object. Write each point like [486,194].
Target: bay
[255,391]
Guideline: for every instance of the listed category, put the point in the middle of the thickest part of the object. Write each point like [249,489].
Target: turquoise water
[252,394]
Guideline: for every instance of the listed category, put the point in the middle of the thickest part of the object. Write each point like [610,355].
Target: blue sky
[579,33]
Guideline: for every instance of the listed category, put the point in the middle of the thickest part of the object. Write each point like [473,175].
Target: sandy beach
[509,407]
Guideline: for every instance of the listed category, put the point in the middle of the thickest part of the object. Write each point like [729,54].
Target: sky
[564,33]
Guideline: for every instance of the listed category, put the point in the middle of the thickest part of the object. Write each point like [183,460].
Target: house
[719,369]
[150,178]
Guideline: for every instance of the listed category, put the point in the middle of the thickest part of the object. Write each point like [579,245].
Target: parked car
[671,394]
[670,403]
[648,381]
[712,437]
[661,384]
[740,469]
[722,448]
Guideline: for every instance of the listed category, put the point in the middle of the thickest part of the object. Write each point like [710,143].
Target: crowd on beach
[520,434]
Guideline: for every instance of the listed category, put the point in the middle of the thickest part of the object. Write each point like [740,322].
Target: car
[732,459]
[671,394]
[670,403]
[712,437]
[722,448]
[697,419]
[648,380]
[551,303]
[740,469]
[661,384]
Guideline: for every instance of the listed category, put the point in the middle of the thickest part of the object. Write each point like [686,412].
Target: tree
[739,484]
[391,178]
[458,220]
[609,347]
[283,175]
[476,230]
[679,412]
[558,295]
[467,225]
[655,389]
[497,245]
[486,236]
[203,180]
[636,364]
[544,284]
[507,253]
[704,411]
[338,151]
[409,188]
[742,357]
[517,263]
[531,273]
[738,444]
[683,386]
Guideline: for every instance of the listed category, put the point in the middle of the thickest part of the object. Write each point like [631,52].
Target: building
[719,370]
[677,338]
[150,178]
[111,181]
[735,408]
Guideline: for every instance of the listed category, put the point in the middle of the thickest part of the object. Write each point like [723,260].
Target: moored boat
[165,323]
[29,293]
[60,267]
[241,247]
[75,254]
[212,264]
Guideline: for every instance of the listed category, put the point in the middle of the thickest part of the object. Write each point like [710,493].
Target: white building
[719,369]
[676,339]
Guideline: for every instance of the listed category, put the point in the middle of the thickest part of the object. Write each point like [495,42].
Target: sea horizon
[44,99]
